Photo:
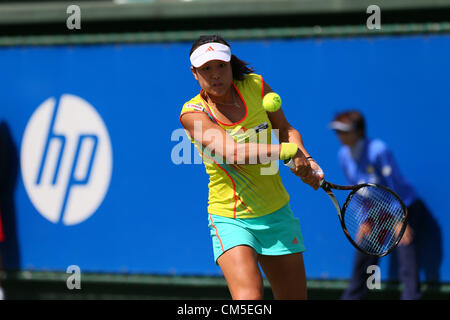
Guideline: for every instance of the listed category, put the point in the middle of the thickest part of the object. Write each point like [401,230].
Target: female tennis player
[250,219]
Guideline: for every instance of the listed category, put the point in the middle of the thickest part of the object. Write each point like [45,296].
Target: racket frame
[327,186]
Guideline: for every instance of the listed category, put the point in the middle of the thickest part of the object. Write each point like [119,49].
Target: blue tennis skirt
[275,234]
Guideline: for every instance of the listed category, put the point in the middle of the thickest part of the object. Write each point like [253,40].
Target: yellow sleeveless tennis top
[242,190]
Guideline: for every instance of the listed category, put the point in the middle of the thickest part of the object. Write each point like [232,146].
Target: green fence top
[235,34]
[55,12]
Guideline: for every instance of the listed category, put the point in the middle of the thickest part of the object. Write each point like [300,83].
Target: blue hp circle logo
[66,159]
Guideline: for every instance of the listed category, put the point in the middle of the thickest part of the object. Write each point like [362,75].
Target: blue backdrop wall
[138,211]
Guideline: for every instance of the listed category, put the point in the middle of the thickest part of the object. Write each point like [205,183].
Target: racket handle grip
[290,163]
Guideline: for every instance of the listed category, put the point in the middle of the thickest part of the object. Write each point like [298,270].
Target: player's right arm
[210,135]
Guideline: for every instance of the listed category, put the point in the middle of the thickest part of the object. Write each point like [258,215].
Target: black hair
[239,68]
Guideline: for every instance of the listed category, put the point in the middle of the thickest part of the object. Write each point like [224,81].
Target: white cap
[341,126]
[210,51]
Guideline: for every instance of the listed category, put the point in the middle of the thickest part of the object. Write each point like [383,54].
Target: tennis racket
[373,217]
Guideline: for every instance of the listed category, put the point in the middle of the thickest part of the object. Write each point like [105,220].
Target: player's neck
[228,99]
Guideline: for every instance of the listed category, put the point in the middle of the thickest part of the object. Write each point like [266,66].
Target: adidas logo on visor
[210,51]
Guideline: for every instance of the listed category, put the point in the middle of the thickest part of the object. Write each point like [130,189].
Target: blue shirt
[371,161]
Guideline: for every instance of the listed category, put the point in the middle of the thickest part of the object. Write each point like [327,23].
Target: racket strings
[374,218]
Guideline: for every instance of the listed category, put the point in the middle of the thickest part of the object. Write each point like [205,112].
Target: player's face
[215,77]
[349,138]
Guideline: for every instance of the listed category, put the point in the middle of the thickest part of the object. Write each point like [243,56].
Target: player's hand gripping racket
[373,217]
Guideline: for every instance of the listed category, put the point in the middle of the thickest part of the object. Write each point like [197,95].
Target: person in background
[370,160]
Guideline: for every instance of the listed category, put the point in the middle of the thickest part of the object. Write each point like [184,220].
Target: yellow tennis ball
[271,102]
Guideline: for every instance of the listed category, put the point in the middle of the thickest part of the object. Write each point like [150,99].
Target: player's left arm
[287,133]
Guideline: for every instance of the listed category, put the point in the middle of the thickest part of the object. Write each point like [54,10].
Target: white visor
[210,51]
[341,126]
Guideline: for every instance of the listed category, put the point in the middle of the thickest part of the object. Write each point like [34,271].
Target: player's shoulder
[251,83]
[251,79]
[195,104]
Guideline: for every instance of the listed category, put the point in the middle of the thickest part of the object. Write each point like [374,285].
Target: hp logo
[66,159]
